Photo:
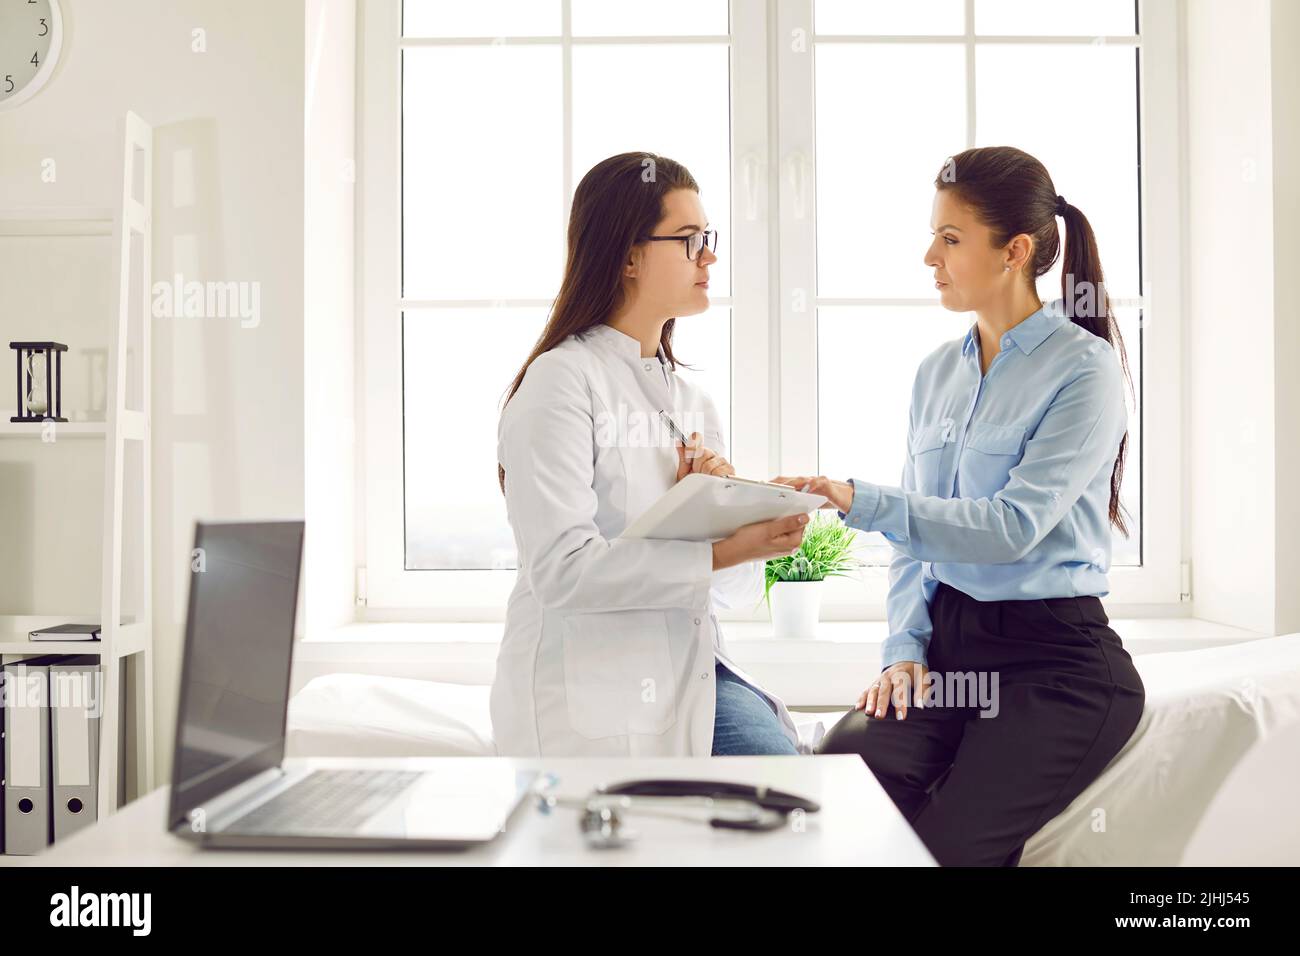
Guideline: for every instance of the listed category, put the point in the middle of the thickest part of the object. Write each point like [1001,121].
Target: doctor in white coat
[612,646]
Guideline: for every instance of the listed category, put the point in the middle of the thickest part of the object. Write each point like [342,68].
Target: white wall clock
[31,34]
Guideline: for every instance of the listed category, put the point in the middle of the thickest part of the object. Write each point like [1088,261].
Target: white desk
[857,825]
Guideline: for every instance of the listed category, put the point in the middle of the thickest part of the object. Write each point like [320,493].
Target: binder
[27,754]
[75,708]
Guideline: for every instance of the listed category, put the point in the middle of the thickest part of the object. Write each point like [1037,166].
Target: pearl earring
[1006,268]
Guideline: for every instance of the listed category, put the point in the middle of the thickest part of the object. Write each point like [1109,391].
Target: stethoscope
[724,805]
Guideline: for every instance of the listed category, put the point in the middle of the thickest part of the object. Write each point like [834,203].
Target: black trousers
[1065,698]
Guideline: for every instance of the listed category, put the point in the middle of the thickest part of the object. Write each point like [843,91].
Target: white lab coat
[609,643]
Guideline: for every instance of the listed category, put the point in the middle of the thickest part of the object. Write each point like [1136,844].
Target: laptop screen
[234,695]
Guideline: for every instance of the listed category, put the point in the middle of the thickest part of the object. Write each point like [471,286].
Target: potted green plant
[794,581]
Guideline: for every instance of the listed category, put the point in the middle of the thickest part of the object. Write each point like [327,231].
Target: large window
[496,133]
[815,130]
[1059,80]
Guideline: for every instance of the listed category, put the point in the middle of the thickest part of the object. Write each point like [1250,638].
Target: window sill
[821,671]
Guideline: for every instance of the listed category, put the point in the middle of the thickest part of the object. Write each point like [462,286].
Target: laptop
[229,787]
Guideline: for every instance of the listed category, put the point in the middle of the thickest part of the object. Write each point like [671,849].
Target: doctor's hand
[901,684]
[760,540]
[838,494]
[697,458]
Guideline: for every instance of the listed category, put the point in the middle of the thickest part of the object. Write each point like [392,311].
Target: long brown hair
[617,204]
[1011,193]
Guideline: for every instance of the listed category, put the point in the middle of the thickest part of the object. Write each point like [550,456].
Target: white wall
[1286,305]
[1242,415]
[228,205]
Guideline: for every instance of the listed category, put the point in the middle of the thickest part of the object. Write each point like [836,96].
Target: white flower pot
[795,607]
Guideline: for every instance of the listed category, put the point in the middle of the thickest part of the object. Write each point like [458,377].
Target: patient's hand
[697,458]
[899,684]
[838,494]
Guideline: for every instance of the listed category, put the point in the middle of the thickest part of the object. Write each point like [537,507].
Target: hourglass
[40,383]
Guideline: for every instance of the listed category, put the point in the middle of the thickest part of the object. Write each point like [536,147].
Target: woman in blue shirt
[1021,693]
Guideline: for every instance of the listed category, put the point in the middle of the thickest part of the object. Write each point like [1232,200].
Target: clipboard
[709,507]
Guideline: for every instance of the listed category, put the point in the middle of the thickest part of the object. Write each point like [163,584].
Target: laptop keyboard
[326,801]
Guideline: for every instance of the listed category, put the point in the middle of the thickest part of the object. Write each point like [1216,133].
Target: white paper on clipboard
[708,507]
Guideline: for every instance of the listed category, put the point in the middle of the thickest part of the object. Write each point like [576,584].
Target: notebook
[66,632]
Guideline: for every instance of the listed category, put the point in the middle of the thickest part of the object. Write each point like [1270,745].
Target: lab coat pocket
[618,673]
[927,454]
[991,452]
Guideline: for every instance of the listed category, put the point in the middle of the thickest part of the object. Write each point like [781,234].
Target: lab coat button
[697,620]
[647,367]
[704,676]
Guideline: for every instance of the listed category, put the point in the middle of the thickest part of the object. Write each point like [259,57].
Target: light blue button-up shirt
[1006,488]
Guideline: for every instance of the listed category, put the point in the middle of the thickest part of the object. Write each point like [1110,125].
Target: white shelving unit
[126,430]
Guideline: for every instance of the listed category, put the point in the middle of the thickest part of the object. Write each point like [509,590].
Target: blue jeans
[745,722]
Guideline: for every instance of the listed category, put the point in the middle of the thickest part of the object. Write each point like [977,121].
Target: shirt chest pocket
[927,455]
[991,452]
[618,673]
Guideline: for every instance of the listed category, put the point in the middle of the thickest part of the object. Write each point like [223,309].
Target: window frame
[1158,579]
[774,346]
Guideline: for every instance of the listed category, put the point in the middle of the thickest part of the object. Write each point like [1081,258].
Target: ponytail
[1087,305]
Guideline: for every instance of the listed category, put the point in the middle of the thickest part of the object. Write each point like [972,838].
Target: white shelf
[15,628]
[56,221]
[52,647]
[62,430]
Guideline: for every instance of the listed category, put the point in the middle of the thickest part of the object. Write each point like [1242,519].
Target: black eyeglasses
[694,242]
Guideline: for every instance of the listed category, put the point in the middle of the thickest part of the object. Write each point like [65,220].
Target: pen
[677,433]
[672,426]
